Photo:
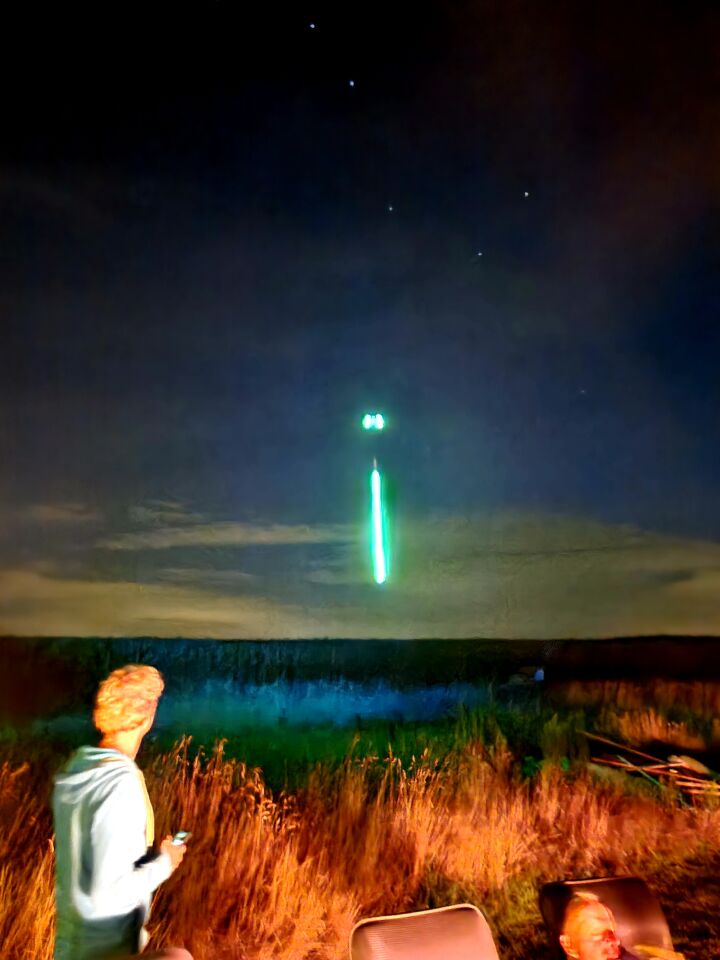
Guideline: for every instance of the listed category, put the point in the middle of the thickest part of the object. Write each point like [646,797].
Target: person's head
[588,930]
[126,702]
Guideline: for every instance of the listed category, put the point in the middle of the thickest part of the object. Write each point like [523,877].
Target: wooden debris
[684,774]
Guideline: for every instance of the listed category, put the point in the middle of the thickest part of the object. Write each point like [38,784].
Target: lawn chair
[638,916]
[460,932]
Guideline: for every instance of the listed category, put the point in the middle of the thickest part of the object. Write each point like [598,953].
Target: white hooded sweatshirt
[103,879]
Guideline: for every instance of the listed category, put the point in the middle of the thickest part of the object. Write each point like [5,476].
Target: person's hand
[176,851]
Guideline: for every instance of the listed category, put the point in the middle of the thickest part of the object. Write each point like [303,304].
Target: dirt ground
[691,900]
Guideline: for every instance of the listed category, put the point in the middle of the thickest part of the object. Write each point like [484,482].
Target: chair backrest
[460,932]
[637,913]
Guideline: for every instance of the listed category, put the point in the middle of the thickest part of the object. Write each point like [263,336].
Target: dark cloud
[203,292]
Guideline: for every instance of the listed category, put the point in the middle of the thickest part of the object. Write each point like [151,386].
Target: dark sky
[225,234]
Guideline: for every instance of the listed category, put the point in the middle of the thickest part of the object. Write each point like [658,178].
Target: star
[527,194]
[479,253]
[312,26]
[390,208]
[351,83]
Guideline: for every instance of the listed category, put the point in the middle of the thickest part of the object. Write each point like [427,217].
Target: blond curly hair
[127,698]
[575,910]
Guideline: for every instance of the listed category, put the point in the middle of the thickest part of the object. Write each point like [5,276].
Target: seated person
[589,933]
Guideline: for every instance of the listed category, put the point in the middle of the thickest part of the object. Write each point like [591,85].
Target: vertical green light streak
[378,532]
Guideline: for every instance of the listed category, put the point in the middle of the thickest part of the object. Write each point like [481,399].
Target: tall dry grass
[287,876]
[698,698]
[682,714]
[651,726]
[26,865]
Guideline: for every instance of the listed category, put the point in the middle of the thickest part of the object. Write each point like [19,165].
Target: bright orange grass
[286,877]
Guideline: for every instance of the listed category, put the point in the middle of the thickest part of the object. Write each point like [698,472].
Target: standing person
[105,870]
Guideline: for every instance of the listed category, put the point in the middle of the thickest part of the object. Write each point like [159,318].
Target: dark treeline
[54,673]
[51,674]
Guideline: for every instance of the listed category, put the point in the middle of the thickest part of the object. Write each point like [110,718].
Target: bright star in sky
[351,83]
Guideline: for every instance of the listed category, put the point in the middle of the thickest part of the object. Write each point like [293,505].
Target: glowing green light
[378,528]
[373,421]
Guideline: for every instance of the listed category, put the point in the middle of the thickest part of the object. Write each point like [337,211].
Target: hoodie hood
[91,770]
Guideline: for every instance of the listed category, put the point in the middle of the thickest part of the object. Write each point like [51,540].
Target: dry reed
[287,876]
[698,698]
[682,714]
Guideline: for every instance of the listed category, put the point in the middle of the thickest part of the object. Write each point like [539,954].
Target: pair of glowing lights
[373,421]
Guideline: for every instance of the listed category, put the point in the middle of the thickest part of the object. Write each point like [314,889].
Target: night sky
[225,234]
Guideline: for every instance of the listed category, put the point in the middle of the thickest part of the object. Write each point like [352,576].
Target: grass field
[440,817]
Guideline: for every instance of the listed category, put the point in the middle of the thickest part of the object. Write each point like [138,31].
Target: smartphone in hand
[182,836]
